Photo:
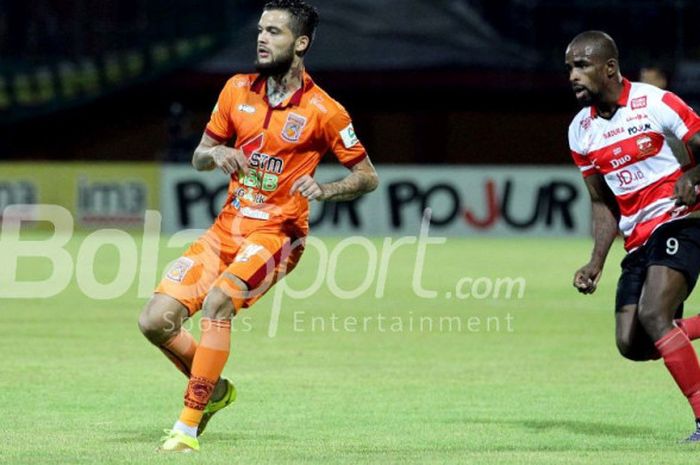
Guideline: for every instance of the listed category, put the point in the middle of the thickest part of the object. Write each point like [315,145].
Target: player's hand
[308,187]
[684,191]
[586,278]
[230,160]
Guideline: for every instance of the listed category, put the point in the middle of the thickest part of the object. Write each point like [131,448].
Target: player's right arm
[605,227]
[211,154]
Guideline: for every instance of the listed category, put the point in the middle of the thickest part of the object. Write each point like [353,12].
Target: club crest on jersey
[639,102]
[179,269]
[645,146]
[291,131]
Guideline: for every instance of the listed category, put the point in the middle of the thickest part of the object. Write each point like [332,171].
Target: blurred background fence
[442,82]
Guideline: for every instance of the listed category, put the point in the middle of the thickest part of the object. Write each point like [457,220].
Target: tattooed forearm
[358,182]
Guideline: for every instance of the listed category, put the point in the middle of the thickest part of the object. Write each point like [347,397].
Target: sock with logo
[207,365]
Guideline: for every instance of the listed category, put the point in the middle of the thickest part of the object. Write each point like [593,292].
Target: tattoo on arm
[203,158]
[361,180]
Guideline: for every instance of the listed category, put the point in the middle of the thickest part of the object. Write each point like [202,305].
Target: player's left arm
[361,180]
[684,191]
[340,136]
[678,118]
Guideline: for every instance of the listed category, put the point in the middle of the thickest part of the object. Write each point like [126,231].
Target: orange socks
[207,365]
[180,350]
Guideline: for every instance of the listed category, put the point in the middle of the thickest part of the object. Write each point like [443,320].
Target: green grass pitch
[80,385]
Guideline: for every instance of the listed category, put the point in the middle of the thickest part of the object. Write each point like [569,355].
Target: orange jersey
[282,144]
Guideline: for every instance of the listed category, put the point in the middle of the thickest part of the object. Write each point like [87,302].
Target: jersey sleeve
[580,159]
[342,140]
[220,126]
[676,116]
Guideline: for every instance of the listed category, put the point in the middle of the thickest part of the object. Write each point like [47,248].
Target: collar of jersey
[260,82]
[621,101]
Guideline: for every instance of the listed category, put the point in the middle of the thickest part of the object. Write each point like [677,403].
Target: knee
[218,305]
[628,351]
[158,324]
[654,322]
[633,351]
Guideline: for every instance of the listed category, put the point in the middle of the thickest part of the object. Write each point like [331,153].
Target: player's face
[275,48]
[586,73]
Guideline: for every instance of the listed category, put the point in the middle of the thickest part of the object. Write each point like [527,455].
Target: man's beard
[588,99]
[585,102]
[278,66]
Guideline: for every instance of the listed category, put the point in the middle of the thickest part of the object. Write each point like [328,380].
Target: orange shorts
[258,256]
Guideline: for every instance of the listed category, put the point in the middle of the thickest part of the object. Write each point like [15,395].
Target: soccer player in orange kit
[282,124]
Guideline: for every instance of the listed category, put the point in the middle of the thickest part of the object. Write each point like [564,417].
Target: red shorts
[257,255]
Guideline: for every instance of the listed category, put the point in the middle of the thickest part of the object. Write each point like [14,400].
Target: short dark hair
[605,46]
[304,16]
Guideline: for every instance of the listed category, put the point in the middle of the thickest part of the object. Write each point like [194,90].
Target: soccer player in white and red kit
[638,188]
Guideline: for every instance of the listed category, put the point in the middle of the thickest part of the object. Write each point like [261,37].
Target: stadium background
[462,105]
[427,83]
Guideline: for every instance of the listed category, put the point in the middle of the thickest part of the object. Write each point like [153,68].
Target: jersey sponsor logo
[348,136]
[637,117]
[613,132]
[247,194]
[639,102]
[266,162]
[291,132]
[632,130]
[254,214]
[617,162]
[246,108]
[259,178]
[629,178]
[179,269]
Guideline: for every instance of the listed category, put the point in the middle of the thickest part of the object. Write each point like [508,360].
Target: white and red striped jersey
[631,151]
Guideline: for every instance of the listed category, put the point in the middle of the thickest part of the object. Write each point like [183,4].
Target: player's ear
[611,68]
[301,45]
